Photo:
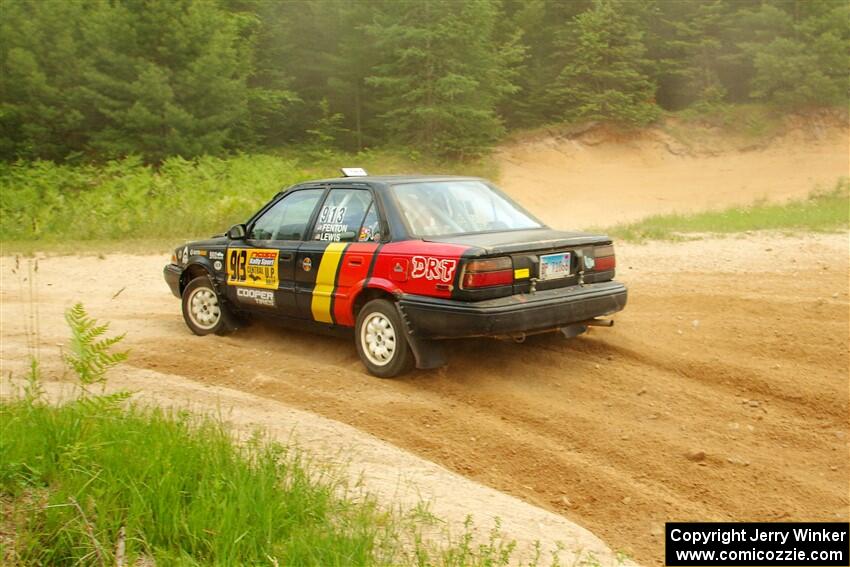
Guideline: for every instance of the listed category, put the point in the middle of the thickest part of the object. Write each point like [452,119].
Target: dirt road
[721,393]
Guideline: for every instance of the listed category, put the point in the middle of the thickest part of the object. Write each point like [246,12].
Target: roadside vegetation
[176,118]
[44,204]
[83,479]
[822,211]
[98,480]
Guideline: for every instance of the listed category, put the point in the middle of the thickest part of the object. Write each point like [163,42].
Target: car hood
[513,241]
[213,242]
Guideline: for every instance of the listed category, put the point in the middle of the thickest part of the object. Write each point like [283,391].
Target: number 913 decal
[252,267]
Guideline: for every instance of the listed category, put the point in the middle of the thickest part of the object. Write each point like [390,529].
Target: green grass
[98,480]
[80,480]
[822,211]
[52,206]
[183,492]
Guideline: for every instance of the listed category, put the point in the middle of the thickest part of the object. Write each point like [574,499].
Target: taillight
[604,258]
[487,273]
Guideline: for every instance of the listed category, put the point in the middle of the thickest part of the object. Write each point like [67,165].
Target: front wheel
[203,309]
[381,341]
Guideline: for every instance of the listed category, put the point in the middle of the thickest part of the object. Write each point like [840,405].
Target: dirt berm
[599,177]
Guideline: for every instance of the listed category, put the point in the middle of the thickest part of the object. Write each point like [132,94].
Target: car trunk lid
[517,241]
[541,259]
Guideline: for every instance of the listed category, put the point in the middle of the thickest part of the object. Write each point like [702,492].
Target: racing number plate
[252,267]
[554,266]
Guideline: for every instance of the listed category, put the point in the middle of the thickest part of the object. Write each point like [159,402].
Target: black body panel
[217,242]
[510,242]
[172,274]
[285,297]
[310,251]
[432,318]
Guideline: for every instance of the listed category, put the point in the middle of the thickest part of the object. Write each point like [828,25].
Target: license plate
[554,266]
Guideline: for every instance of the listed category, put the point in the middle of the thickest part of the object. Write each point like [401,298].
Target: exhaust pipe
[598,322]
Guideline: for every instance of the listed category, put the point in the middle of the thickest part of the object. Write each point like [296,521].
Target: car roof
[384,180]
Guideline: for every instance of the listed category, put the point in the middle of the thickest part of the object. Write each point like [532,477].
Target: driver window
[341,215]
[288,218]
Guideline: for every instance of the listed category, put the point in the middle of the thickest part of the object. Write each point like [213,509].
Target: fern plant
[33,390]
[91,352]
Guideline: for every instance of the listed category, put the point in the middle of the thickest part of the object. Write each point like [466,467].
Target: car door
[261,268]
[337,254]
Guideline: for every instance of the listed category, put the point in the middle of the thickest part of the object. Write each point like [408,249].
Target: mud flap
[428,354]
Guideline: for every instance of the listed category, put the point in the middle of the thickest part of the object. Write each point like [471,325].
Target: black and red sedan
[406,261]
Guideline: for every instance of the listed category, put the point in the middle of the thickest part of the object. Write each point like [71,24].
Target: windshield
[440,208]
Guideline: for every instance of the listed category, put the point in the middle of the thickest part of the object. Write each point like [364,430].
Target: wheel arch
[366,295]
[193,271]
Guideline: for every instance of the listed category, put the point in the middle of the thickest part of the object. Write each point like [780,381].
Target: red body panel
[411,266]
[351,279]
[428,268]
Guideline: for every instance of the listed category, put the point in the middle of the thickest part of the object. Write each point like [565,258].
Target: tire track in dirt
[741,416]
[542,422]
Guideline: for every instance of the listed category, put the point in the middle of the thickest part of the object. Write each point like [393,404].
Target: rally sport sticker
[252,267]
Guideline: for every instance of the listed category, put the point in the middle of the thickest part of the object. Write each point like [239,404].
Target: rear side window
[341,216]
[288,218]
[370,230]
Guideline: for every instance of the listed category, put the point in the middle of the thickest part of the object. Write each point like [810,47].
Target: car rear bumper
[172,273]
[434,318]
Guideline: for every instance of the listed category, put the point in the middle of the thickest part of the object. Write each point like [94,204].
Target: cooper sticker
[216,255]
[257,296]
[197,252]
[252,267]
[431,268]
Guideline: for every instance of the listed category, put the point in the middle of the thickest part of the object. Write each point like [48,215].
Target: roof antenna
[353,172]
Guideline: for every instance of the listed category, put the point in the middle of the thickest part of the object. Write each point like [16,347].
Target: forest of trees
[88,80]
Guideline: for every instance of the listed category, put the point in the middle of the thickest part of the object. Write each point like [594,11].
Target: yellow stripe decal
[325,279]
[521,273]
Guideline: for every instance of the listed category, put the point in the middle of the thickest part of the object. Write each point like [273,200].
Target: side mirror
[236,232]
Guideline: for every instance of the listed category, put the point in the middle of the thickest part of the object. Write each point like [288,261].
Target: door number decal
[252,267]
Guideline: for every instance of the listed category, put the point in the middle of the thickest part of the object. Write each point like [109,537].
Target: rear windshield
[441,208]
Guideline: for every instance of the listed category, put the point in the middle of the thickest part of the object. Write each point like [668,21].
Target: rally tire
[204,311]
[381,340]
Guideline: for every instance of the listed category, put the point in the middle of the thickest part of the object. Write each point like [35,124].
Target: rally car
[405,261]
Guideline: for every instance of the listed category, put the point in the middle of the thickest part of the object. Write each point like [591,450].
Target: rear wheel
[203,310]
[381,341]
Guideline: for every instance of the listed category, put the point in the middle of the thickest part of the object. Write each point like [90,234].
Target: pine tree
[443,73]
[108,78]
[699,37]
[43,110]
[606,76]
[155,78]
[539,22]
[170,78]
[800,52]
